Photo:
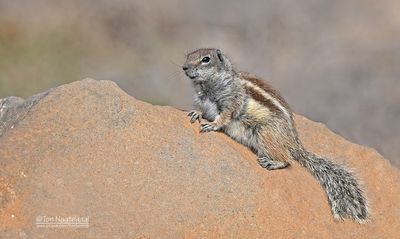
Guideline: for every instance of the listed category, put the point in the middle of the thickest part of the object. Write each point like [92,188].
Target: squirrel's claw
[194,115]
[207,127]
[270,164]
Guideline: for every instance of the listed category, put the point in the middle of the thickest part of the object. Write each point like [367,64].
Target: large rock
[138,170]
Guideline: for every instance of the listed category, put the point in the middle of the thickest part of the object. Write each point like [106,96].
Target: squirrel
[250,111]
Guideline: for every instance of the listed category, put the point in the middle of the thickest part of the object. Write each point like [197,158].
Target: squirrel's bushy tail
[344,193]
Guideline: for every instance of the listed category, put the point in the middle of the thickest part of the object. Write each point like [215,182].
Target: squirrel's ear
[226,64]
[219,54]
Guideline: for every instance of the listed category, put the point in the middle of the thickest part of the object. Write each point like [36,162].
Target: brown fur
[260,98]
[265,86]
[275,131]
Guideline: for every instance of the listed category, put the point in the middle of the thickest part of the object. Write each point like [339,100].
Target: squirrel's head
[206,64]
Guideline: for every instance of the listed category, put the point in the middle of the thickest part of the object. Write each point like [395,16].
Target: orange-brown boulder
[129,169]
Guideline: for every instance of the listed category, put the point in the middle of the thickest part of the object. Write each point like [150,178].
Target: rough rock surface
[14,109]
[143,171]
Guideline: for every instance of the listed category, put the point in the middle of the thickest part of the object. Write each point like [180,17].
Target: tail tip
[360,218]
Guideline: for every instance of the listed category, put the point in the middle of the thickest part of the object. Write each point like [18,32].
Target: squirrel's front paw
[194,115]
[208,127]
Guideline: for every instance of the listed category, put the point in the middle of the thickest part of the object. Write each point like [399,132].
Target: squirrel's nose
[185,67]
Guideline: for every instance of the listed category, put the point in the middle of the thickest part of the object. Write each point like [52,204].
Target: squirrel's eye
[205,59]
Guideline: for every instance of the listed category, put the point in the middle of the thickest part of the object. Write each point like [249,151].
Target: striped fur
[267,91]
[253,113]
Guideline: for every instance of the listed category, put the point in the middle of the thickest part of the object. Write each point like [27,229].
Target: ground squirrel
[251,112]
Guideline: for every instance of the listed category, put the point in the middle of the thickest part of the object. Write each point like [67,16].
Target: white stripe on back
[269,97]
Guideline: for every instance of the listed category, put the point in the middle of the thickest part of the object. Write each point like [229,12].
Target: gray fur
[222,99]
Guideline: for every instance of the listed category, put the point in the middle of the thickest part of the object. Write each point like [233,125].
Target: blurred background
[337,62]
